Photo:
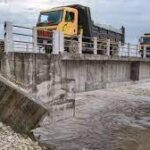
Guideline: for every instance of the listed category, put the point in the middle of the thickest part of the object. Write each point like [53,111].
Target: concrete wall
[54,79]
[41,76]
[93,72]
[93,75]
[18,109]
[44,75]
[144,70]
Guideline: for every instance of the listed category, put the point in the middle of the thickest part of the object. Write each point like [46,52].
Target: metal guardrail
[96,46]
[26,39]
[130,50]
[22,38]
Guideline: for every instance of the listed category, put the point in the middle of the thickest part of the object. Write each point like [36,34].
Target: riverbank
[9,140]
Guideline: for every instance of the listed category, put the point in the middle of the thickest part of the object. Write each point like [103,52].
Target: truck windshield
[146,39]
[51,18]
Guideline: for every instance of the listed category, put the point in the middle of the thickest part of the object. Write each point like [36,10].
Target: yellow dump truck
[74,20]
[145,45]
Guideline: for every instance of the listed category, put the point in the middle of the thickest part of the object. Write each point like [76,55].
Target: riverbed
[107,119]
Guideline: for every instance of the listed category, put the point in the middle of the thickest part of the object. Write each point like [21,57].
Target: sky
[133,14]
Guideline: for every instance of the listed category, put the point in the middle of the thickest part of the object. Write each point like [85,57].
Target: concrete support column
[8,37]
[80,43]
[34,39]
[135,71]
[108,47]
[95,45]
[139,71]
[34,73]
[58,42]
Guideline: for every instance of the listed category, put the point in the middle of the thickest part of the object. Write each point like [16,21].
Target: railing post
[108,47]
[80,43]
[58,42]
[55,42]
[35,43]
[129,49]
[95,45]
[61,45]
[119,48]
[8,36]
[144,52]
[137,50]
[27,47]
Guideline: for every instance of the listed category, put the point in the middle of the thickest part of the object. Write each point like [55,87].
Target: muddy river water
[110,119]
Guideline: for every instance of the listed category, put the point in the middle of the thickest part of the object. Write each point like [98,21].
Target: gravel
[9,140]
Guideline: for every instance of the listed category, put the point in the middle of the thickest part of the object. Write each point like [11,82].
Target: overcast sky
[133,14]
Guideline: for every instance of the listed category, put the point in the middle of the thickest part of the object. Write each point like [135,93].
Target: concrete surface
[87,72]
[110,119]
[55,79]
[18,109]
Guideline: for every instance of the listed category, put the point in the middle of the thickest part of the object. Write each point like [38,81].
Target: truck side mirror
[141,40]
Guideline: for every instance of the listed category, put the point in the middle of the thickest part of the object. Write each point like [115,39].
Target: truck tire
[114,51]
[73,47]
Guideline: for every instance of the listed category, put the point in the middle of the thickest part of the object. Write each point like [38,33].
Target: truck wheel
[73,47]
[114,51]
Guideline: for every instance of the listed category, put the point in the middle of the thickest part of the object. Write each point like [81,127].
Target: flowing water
[111,119]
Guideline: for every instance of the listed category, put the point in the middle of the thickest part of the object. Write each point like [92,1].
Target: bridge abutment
[89,72]
[55,79]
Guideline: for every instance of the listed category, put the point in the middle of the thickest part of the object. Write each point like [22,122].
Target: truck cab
[145,44]
[63,19]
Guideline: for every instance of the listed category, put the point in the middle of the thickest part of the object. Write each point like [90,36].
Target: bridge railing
[22,38]
[93,45]
[26,39]
[130,50]
[18,38]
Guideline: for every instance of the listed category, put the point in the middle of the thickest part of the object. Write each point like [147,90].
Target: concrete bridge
[53,80]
